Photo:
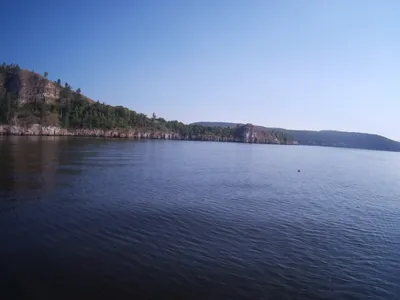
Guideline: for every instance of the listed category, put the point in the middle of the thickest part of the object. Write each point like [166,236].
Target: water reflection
[6,165]
[30,165]
[33,166]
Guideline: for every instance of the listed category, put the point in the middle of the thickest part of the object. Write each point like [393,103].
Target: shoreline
[122,133]
[38,130]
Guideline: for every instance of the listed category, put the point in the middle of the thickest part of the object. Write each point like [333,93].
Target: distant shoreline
[136,134]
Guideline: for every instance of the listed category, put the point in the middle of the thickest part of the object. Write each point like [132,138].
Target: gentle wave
[197,221]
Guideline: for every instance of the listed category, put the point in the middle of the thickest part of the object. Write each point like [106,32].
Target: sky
[296,64]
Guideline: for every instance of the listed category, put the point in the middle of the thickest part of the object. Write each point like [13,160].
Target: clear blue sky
[294,64]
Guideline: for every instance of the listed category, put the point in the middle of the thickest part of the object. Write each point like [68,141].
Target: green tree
[46,74]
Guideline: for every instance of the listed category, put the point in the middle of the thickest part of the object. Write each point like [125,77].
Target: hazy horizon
[306,65]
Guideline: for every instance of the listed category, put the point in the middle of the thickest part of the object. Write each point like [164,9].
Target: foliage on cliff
[71,109]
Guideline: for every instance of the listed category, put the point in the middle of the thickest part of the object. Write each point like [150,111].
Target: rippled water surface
[195,220]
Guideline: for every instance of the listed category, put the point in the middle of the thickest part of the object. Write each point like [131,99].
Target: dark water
[194,220]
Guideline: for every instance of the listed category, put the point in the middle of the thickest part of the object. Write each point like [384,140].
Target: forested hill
[329,138]
[32,104]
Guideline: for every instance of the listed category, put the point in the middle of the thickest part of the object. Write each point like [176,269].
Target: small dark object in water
[298,171]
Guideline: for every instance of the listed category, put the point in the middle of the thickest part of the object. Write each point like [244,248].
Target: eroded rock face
[246,134]
[254,134]
[31,87]
[38,130]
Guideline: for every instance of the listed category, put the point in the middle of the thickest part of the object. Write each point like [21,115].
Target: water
[119,219]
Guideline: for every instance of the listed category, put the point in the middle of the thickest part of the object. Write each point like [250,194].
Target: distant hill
[329,138]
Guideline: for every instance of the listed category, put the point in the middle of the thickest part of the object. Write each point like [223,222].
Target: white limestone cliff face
[37,130]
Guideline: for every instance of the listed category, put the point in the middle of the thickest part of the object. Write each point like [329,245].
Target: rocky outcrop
[254,134]
[246,134]
[31,87]
[38,130]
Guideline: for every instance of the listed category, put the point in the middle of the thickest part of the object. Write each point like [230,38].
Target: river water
[119,219]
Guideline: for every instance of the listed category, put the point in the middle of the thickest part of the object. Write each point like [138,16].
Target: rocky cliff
[38,130]
[31,87]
